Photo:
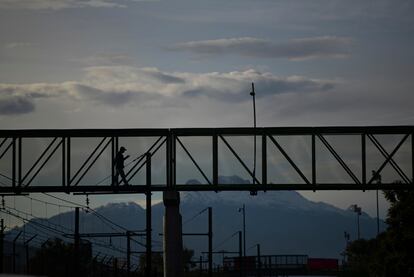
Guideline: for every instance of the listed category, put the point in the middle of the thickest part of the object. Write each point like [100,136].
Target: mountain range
[282,222]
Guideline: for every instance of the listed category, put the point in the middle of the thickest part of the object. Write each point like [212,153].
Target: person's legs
[122,173]
[115,180]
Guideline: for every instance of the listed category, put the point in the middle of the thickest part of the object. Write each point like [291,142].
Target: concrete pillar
[173,240]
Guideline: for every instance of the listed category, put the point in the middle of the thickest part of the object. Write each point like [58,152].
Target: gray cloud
[15,106]
[118,86]
[110,98]
[63,4]
[267,85]
[165,78]
[13,45]
[57,4]
[107,59]
[297,49]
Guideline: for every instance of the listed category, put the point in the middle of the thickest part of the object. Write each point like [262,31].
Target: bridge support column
[173,242]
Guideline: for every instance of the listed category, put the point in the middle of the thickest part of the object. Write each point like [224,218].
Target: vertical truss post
[210,241]
[364,159]
[215,159]
[174,159]
[19,161]
[313,160]
[113,163]
[68,161]
[148,267]
[63,161]
[169,162]
[116,152]
[14,162]
[264,160]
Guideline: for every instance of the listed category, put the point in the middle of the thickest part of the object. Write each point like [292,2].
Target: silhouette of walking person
[119,165]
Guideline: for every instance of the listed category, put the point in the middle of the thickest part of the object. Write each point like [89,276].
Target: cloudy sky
[131,63]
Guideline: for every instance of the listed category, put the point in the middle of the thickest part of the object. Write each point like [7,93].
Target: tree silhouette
[56,258]
[390,254]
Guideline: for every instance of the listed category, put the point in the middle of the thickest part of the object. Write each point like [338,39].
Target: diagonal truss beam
[292,163]
[143,156]
[93,162]
[86,161]
[339,159]
[239,159]
[39,159]
[386,155]
[193,160]
[7,148]
[129,178]
[2,142]
[43,164]
[389,158]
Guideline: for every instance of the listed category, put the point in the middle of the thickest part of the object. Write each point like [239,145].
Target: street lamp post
[347,236]
[377,177]
[358,211]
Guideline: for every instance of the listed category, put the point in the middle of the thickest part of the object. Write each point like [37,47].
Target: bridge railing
[284,158]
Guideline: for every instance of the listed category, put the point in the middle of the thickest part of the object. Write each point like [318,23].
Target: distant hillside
[283,222]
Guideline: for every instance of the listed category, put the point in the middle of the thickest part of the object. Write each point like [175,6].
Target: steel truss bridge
[21,166]
[20,179]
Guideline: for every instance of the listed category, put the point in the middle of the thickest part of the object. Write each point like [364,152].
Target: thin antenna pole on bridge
[253,93]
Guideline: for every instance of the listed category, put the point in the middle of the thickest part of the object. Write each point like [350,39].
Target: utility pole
[210,242]
[243,209]
[347,236]
[209,235]
[14,251]
[115,266]
[76,243]
[26,246]
[259,263]
[1,245]
[240,253]
[128,235]
[201,265]
[378,223]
